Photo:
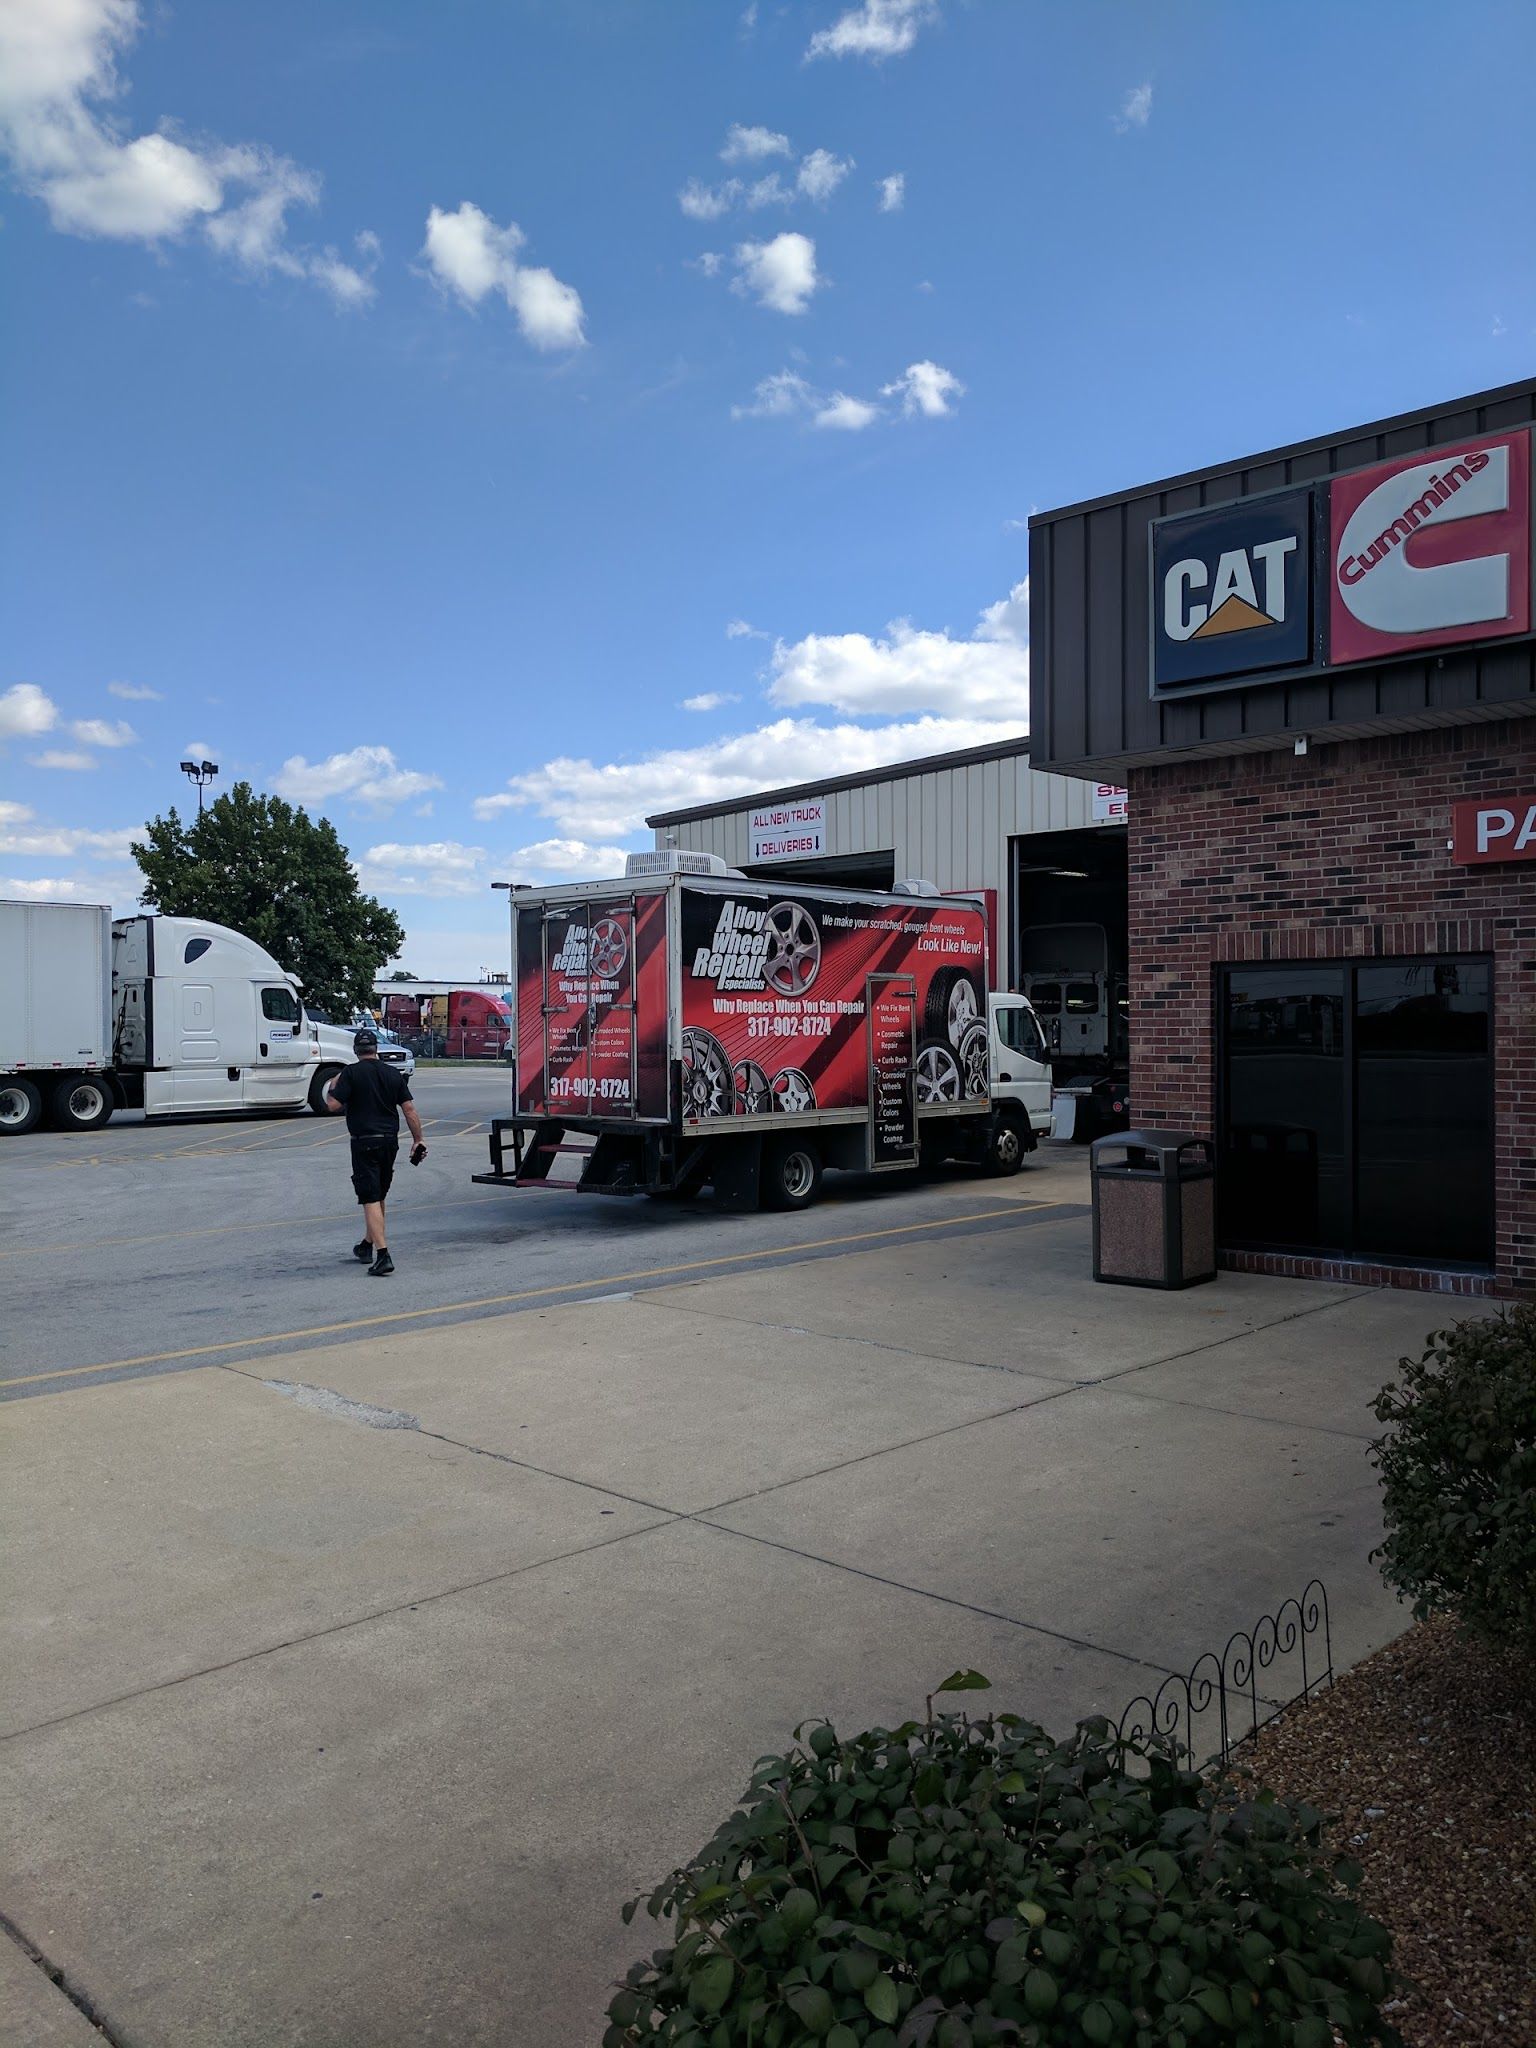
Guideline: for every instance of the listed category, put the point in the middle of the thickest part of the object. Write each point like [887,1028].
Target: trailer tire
[791,1177]
[954,1004]
[1006,1144]
[324,1076]
[82,1103]
[21,1106]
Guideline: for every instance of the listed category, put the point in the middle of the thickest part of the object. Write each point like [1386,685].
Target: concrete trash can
[1154,1209]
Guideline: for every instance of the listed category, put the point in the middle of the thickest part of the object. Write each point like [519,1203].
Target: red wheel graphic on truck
[608,948]
[794,950]
[792,1090]
[709,1087]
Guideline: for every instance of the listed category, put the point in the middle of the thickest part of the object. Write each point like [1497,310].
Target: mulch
[1426,1755]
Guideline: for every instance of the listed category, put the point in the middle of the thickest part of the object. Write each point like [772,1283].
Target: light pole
[202,773]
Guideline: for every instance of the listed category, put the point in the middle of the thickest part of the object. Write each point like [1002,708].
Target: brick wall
[1339,852]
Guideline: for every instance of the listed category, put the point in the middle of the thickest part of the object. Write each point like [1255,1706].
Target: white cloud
[985,676]
[710,700]
[43,888]
[893,192]
[366,775]
[781,274]
[440,867]
[820,174]
[134,693]
[14,814]
[570,860]
[925,388]
[99,732]
[874,29]
[26,711]
[743,629]
[708,202]
[198,750]
[469,255]
[849,414]
[62,842]
[611,799]
[55,757]
[711,263]
[1135,109]
[58,74]
[751,145]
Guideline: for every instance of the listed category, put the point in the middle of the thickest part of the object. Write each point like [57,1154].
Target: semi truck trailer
[687,1026]
[172,1015]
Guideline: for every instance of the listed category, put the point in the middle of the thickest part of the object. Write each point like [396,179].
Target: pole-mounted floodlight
[202,773]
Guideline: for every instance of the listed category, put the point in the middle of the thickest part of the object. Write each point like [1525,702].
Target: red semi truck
[688,1025]
[459,1024]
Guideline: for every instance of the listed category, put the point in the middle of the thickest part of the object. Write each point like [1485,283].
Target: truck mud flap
[736,1168]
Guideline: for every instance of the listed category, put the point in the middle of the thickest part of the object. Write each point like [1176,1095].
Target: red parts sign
[1493,829]
[1431,550]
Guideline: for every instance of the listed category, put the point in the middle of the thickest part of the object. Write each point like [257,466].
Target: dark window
[1019,1031]
[279,1006]
[1356,1109]
[1046,997]
[1082,998]
[195,950]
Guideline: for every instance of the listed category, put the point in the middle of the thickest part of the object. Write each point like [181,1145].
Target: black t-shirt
[372,1094]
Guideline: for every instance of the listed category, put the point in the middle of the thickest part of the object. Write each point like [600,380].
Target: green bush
[958,1881]
[1458,1470]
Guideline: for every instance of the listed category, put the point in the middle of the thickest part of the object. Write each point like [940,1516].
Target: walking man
[373,1096]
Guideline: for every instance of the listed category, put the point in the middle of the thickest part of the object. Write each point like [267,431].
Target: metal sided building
[1037,847]
[1315,669]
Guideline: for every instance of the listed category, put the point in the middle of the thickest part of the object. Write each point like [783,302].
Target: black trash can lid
[1163,1149]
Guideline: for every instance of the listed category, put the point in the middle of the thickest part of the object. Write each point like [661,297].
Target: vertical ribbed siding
[952,826]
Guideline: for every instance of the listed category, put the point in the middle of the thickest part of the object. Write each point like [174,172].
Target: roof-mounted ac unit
[914,885]
[674,860]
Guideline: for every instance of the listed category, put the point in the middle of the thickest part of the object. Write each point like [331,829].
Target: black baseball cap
[365,1041]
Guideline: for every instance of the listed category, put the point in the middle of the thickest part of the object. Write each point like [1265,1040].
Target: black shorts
[373,1167]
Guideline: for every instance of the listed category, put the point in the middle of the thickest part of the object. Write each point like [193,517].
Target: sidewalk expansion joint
[58,1979]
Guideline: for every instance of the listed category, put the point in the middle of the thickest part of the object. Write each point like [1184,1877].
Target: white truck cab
[208,1017]
[1020,1073]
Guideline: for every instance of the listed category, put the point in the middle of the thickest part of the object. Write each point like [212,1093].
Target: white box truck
[174,1015]
[688,1025]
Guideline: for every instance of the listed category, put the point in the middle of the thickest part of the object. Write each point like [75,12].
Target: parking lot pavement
[354,1687]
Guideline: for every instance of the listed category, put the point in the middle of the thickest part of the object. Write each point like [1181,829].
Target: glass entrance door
[1356,1109]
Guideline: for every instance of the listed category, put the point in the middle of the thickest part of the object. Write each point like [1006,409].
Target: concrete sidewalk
[347,1696]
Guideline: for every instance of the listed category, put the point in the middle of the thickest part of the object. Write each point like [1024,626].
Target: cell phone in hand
[418,1153]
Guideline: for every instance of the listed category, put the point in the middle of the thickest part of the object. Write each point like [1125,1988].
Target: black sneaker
[363,1251]
[382,1265]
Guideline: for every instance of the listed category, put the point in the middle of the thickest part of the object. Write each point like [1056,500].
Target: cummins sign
[1428,550]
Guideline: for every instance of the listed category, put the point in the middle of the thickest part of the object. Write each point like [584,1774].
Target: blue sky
[488,423]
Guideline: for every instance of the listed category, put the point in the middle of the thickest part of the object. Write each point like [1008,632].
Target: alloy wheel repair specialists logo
[1431,549]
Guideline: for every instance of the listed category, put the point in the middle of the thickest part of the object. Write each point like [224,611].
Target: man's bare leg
[373,1219]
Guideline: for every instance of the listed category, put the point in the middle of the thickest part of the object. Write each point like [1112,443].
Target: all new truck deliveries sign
[788,831]
[1431,549]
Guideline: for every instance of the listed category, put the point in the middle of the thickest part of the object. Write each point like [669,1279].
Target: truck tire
[1006,1144]
[82,1103]
[954,1004]
[324,1076]
[791,1173]
[21,1106]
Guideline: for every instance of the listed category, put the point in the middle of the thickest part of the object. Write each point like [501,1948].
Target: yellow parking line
[588,1285]
[23,1251]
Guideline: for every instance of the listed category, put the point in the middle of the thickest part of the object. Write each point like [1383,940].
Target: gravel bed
[1426,1752]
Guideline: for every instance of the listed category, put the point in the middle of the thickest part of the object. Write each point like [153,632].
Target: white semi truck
[173,1015]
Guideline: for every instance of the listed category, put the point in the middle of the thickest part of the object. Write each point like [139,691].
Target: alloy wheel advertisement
[773,1000]
[592,1008]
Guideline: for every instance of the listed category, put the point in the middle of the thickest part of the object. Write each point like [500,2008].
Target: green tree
[281,877]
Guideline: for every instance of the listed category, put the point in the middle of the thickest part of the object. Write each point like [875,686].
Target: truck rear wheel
[791,1174]
[324,1076]
[21,1106]
[83,1103]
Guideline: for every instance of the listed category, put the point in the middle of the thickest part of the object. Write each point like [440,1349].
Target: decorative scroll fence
[1222,1700]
